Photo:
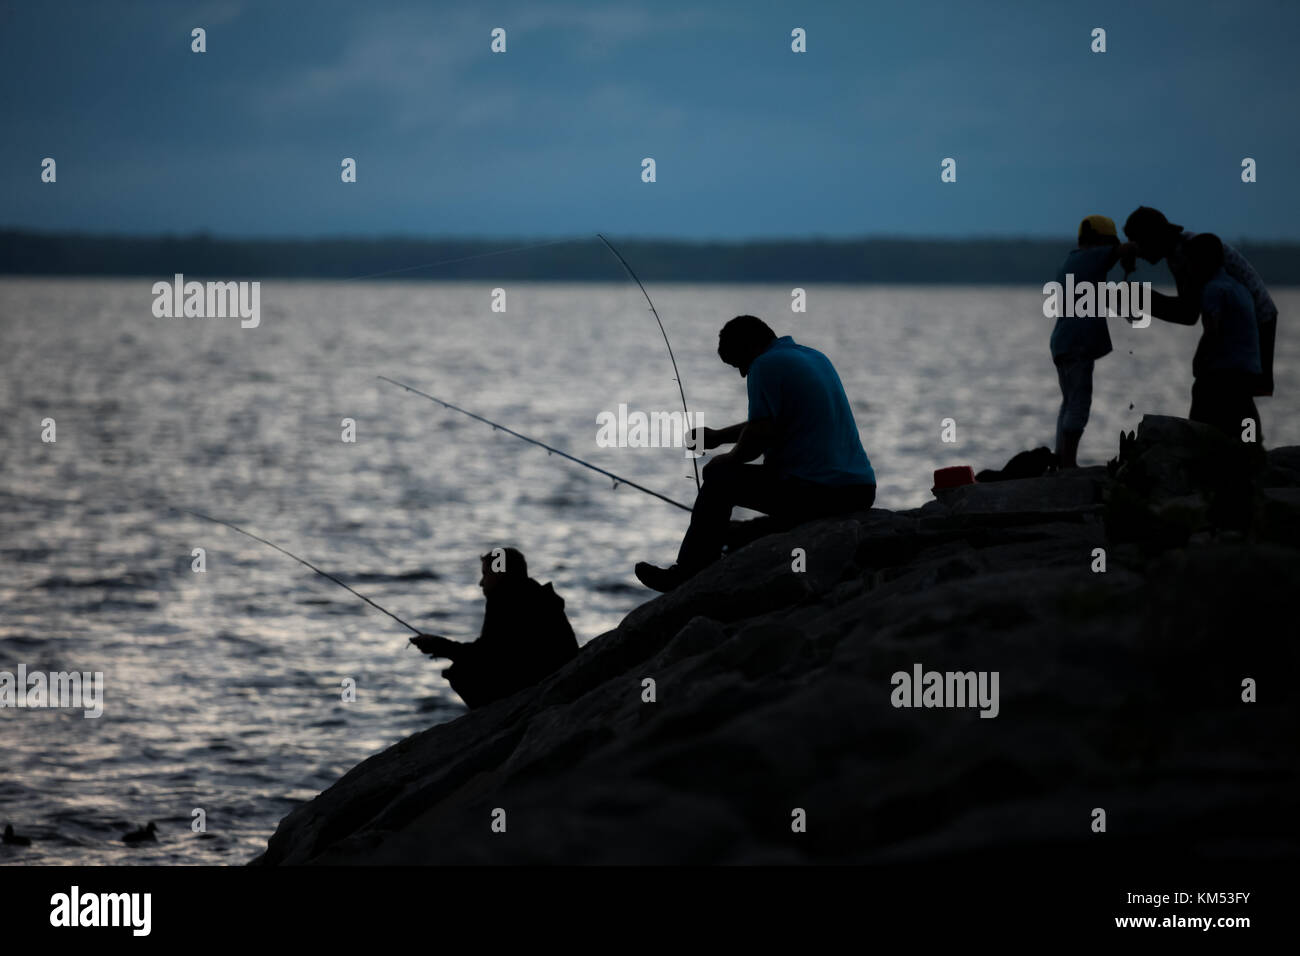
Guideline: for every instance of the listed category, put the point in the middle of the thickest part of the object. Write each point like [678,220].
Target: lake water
[223,690]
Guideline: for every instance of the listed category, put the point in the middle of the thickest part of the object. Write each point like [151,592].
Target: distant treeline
[1011,261]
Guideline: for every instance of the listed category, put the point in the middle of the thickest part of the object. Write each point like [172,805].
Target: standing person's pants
[1075,378]
[1223,399]
[727,485]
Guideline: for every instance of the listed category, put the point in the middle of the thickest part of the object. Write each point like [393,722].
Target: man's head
[501,566]
[1097,231]
[1204,253]
[1154,235]
[742,340]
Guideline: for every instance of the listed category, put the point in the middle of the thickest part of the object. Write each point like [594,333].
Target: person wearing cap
[1153,237]
[526,635]
[1078,342]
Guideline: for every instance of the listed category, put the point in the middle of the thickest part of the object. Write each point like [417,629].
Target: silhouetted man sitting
[800,422]
[526,635]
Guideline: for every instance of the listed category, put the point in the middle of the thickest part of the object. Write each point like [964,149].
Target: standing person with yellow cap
[1078,342]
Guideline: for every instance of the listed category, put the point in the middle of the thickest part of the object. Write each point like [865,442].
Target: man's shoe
[658,579]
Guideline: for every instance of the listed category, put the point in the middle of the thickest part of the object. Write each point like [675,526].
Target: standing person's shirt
[1236,266]
[1077,339]
[1233,342]
[816,437]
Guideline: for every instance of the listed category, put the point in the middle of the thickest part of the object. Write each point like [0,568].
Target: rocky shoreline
[776,732]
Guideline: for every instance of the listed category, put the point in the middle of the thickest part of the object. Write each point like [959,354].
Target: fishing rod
[677,377]
[672,358]
[324,574]
[533,441]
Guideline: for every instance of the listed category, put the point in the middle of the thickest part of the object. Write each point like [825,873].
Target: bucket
[955,477]
[947,480]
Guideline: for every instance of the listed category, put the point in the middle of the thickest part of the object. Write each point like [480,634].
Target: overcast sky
[749,138]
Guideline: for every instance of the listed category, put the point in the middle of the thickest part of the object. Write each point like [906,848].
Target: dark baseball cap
[1145,221]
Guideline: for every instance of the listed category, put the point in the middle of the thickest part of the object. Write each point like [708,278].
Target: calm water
[223,689]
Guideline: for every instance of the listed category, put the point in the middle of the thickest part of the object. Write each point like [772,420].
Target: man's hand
[712,438]
[433,644]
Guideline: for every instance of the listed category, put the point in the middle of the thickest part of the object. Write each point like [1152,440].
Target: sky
[750,139]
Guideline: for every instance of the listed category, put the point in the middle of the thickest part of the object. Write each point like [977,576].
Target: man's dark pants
[728,485]
[1223,399]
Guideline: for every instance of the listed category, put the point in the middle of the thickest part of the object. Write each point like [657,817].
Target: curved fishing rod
[324,574]
[672,358]
[533,441]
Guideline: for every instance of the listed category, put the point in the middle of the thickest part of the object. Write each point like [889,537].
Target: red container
[955,477]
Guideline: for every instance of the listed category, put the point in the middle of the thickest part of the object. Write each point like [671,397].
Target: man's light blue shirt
[816,435]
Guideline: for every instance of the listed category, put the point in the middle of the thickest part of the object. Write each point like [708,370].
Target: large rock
[773,693]
[1278,515]
[1176,479]
[1174,457]
[1045,495]
[1282,469]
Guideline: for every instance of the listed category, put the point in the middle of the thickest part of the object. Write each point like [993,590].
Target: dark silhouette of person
[1153,237]
[800,421]
[1078,343]
[526,635]
[1225,372]
[1227,361]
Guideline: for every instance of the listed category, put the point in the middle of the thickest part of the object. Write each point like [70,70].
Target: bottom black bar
[984,897]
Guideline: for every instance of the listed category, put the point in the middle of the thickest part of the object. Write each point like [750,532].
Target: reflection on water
[223,689]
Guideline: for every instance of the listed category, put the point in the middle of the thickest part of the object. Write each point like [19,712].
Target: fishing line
[324,574]
[695,462]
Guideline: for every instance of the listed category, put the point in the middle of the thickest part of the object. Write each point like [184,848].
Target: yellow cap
[1098,226]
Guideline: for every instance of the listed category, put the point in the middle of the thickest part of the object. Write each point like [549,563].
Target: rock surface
[1119,690]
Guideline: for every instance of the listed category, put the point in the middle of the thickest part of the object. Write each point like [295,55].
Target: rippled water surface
[223,689]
